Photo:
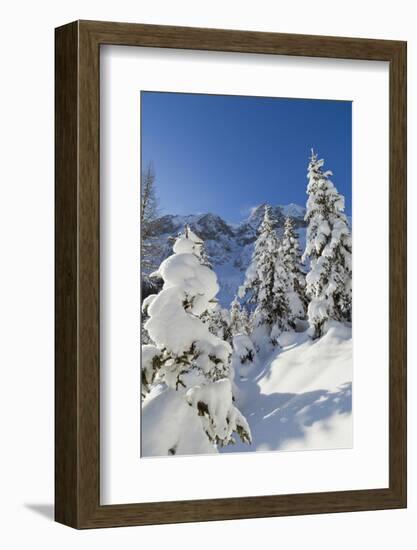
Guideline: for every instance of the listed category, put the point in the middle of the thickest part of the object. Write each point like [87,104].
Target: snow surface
[242,348]
[170,426]
[300,396]
[293,210]
[222,418]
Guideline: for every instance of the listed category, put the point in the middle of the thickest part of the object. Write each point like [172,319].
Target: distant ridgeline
[229,247]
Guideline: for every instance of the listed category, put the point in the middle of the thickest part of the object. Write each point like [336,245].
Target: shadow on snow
[278,419]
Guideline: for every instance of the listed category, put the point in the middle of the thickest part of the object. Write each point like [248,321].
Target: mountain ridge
[209,222]
[229,246]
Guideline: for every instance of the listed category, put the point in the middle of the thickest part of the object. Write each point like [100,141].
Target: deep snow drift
[300,397]
[170,426]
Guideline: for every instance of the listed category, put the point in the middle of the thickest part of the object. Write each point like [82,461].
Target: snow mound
[219,416]
[301,397]
[309,365]
[184,270]
[244,350]
[171,427]
[288,338]
[166,312]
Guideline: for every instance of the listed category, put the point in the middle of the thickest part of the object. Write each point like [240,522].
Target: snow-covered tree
[204,257]
[290,255]
[218,321]
[148,217]
[216,318]
[280,303]
[245,321]
[243,350]
[185,355]
[238,318]
[328,250]
[265,282]
[220,418]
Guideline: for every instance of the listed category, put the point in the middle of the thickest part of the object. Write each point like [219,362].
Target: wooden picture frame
[77,382]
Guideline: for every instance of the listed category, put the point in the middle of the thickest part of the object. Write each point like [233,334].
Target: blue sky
[227,154]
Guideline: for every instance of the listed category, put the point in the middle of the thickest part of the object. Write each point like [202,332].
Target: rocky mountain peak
[228,246]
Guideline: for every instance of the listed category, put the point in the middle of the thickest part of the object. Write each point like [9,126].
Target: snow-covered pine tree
[290,255]
[185,355]
[216,318]
[265,281]
[236,325]
[150,247]
[245,321]
[328,250]
[240,322]
[204,257]
[148,216]
[279,300]
[190,243]
[263,259]
[218,322]
[243,348]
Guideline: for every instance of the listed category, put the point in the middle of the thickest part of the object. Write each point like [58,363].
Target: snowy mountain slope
[292,210]
[228,246]
[279,213]
[300,397]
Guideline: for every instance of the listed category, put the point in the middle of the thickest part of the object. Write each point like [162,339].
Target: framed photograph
[230,274]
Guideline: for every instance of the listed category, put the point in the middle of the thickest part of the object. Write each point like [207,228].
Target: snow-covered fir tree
[185,356]
[245,320]
[150,245]
[238,323]
[328,250]
[204,257]
[265,281]
[290,255]
[218,321]
[280,303]
[216,317]
[148,217]
[190,243]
